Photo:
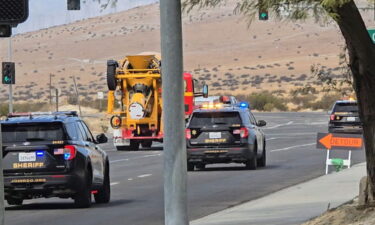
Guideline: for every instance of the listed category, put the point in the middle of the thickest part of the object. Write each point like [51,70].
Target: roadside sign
[371,32]
[335,141]
[100,95]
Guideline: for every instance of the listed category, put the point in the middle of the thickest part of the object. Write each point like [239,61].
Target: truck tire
[146,144]
[134,145]
[111,72]
[104,193]
[82,198]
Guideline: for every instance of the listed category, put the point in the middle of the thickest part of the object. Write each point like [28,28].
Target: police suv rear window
[32,132]
[215,118]
[346,107]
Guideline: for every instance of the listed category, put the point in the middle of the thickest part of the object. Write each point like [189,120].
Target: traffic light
[13,12]
[74,4]
[263,14]
[9,73]
[5,31]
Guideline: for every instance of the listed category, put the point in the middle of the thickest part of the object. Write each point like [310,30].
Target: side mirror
[205,91]
[261,123]
[101,138]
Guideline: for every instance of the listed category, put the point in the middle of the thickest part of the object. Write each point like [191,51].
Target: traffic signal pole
[175,171]
[10,85]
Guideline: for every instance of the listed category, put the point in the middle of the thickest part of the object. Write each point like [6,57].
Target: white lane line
[270,139]
[144,175]
[114,183]
[291,147]
[127,159]
[279,125]
[130,179]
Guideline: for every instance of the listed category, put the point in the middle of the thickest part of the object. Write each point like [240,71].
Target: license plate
[351,119]
[27,157]
[213,135]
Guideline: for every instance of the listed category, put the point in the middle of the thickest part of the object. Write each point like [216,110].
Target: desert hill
[219,49]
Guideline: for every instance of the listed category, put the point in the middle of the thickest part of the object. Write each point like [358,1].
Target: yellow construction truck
[134,101]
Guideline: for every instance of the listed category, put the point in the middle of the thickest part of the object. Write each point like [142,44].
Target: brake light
[69,152]
[188,134]
[332,117]
[243,132]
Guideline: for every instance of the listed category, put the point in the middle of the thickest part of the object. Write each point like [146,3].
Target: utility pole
[175,171]
[10,85]
[50,89]
[57,99]
[79,104]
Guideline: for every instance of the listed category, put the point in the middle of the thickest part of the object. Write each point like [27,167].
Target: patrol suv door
[258,131]
[95,155]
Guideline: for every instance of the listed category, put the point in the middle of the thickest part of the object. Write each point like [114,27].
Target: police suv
[53,155]
[225,135]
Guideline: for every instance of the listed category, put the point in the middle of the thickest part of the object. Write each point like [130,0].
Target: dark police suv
[225,135]
[53,155]
[345,118]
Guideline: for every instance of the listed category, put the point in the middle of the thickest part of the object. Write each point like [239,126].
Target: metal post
[79,104]
[2,206]
[327,159]
[350,158]
[175,172]
[10,85]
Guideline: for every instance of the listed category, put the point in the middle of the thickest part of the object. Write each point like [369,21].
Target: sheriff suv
[53,155]
[225,135]
[345,118]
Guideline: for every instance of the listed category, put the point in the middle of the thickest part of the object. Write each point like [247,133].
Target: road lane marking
[130,179]
[144,175]
[114,183]
[270,139]
[291,147]
[279,125]
[127,159]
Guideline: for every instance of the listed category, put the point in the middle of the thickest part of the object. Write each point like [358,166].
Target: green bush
[24,107]
[265,101]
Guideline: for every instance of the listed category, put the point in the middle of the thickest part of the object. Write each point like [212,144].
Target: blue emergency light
[244,105]
[40,153]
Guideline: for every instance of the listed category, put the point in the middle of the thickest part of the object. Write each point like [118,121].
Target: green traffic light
[263,15]
[7,79]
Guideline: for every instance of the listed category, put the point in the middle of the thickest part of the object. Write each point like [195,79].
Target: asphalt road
[137,179]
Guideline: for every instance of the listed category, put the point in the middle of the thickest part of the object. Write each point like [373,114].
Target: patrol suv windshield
[346,107]
[32,132]
[215,118]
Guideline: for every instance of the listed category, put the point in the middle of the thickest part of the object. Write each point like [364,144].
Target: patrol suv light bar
[21,114]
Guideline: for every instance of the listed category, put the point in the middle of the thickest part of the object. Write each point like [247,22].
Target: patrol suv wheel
[190,166]
[262,161]
[13,201]
[82,198]
[104,193]
[251,164]
[201,166]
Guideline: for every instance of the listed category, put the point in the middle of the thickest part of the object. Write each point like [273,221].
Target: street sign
[100,95]
[335,141]
[371,32]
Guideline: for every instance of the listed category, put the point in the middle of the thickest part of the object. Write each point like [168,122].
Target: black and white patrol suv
[225,135]
[53,155]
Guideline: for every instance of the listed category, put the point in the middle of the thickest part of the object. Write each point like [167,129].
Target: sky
[47,13]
